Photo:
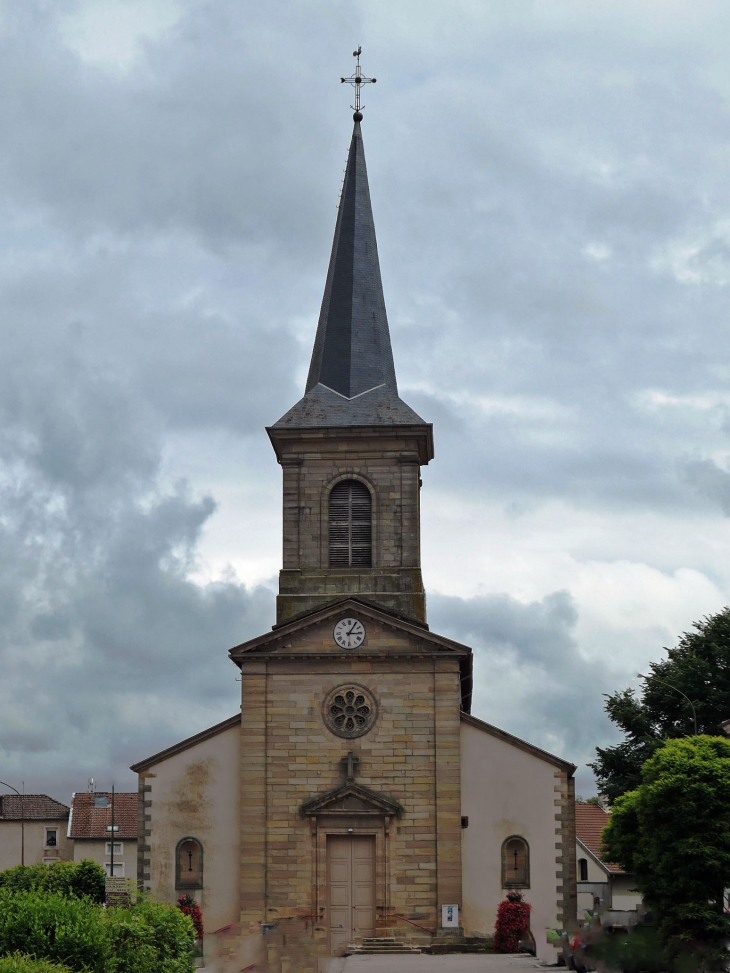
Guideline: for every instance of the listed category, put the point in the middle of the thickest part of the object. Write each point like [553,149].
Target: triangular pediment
[351,799]
[292,638]
[387,634]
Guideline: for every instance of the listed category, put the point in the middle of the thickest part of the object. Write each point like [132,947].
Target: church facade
[354,795]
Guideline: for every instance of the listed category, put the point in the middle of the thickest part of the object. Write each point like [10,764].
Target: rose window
[349,711]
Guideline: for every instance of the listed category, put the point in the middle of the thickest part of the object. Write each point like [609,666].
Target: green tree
[699,667]
[673,833]
[70,879]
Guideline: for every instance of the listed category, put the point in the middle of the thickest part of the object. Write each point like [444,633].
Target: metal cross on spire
[358,81]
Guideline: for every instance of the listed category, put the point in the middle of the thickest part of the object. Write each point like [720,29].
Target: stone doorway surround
[356,812]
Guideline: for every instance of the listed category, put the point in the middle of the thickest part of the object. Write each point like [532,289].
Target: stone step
[376,946]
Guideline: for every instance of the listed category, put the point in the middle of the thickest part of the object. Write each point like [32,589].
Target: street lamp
[694,712]
[22,820]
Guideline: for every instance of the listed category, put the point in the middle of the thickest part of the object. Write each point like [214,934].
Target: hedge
[21,963]
[145,938]
[70,879]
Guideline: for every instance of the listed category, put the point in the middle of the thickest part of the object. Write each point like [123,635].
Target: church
[354,795]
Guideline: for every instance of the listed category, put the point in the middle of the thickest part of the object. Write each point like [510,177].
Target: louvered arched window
[350,518]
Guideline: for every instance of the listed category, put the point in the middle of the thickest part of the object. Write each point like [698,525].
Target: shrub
[21,963]
[48,925]
[149,938]
[70,879]
[513,919]
[145,938]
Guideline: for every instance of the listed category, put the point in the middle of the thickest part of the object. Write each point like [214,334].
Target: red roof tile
[88,821]
[35,807]
[590,820]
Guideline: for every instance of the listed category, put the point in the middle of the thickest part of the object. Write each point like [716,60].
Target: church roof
[352,376]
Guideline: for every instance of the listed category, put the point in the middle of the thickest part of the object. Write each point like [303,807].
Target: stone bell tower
[351,449]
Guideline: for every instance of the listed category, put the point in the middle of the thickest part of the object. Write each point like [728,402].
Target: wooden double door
[350,889]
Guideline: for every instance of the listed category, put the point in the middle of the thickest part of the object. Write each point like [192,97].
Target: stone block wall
[288,756]
[387,459]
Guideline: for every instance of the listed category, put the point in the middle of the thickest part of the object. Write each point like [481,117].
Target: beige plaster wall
[35,836]
[506,791]
[94,849]
[624,894]
[195,794]
[595,872]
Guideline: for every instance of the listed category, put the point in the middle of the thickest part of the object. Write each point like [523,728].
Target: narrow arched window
[583,866]
[515,863]
[189,864]
[350,520]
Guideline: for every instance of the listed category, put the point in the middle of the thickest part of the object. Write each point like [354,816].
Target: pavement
[453,963]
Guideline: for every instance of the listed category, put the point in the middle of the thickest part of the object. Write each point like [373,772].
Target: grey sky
[551,195]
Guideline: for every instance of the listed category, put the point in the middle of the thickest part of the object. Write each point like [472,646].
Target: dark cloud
[529,673]
[549,186]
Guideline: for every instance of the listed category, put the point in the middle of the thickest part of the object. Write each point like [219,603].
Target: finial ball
[357,117]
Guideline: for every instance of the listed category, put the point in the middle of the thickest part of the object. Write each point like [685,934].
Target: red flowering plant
[187,905]
[513,919]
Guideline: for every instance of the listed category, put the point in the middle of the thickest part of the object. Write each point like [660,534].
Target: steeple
[352,352]
[351,449]
[351,375]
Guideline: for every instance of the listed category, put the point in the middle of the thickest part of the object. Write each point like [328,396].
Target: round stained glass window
[350,711]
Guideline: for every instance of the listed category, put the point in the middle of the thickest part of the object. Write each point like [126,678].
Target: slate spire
[352,352]
[351,376]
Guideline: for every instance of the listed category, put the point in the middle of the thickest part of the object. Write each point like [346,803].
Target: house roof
[35,807]
[87,821]
[212,731]
[590,820]
[517,742]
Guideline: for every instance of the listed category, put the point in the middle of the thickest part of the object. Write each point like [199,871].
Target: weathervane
[357,80]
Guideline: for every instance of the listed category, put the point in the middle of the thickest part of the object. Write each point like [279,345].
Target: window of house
[350,524]
[583,869]
[51,837]
[189,865]
[101,800]
[515,863]
[118,869]
[118,848]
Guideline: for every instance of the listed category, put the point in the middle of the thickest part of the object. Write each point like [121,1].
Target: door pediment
[351,799]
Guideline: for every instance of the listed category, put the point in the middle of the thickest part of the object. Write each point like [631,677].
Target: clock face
[349,633]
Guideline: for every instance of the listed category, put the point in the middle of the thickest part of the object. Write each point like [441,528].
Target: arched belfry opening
[350,525]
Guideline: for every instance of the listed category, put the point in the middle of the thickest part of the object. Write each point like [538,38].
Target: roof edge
[422,429]
[530,748]
[176,748]
[597,860]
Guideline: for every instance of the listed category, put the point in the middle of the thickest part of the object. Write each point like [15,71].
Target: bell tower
[351,449]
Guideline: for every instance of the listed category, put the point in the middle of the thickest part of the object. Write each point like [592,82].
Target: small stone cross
[349,765]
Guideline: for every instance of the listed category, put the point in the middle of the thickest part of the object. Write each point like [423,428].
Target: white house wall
[94,849]
[507,791]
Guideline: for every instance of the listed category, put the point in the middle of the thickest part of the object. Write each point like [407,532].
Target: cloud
[550,192]
[529,673]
